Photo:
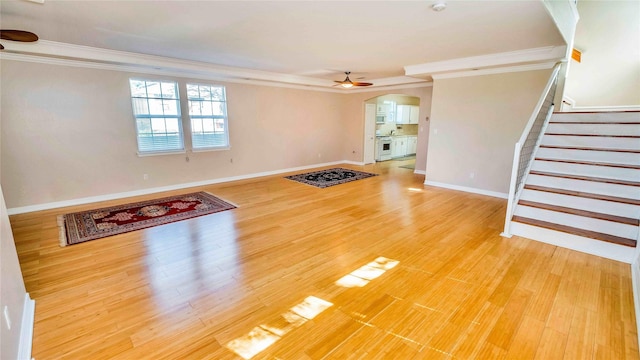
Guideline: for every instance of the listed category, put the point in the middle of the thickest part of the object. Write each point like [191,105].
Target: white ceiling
[309,39]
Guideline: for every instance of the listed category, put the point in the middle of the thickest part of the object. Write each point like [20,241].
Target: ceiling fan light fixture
[439,6]
[347,83]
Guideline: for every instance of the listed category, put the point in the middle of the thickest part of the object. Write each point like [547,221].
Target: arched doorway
[388,119]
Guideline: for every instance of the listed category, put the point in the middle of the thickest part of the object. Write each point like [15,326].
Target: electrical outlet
[472,175]
[145,177]
[5,312]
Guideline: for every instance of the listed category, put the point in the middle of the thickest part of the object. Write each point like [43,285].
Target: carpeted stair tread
[585,178]
[583,194]
[576,231]
[585,213]
[593,163]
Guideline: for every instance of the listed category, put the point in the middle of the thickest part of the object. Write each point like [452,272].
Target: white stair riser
[580,222]
[592,142]
[587,170]
[596,129]
[598,117]
[576,202]
[600,248]
[624,191]
[590,155]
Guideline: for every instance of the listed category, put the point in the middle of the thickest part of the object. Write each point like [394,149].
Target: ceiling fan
[347,83]
[17,35]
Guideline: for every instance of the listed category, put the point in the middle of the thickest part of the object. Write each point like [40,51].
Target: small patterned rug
[330,177]
[95,224]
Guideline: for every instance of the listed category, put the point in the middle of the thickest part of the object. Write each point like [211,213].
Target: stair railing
[527,145]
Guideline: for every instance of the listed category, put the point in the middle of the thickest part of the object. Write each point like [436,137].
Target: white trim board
[467,189]
[491,71]
[541,54]
[26,330]
[57,53]
[121,195]
[603,249]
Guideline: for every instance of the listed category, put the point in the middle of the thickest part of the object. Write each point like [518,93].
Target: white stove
[383,148]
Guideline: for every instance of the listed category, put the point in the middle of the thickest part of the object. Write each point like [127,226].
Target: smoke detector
[439,6]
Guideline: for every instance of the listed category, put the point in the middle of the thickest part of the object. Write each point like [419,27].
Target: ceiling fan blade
[18,35]
[362,84]
[347,83]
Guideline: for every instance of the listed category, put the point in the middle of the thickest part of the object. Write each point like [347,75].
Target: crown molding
[64,51]
[56,53]
[162,72]
[535,55]
[498,70]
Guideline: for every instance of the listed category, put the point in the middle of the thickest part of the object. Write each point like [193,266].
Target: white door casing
[369,134]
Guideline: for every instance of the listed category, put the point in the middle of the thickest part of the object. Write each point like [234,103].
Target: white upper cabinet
[403,114]
[407,114]
[414,114]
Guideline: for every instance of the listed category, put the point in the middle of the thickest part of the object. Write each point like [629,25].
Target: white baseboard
[106,197]
[359,163]
[578,243]
[467,189]
[420,172]
[26,330]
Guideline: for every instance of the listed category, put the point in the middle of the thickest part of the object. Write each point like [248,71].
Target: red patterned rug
[95,224]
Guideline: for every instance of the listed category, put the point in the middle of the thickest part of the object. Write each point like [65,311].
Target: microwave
[380,119]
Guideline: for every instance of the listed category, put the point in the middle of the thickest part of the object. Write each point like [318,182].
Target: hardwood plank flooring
[191,289]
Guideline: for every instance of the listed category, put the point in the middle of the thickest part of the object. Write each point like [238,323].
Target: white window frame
[195,117]
[149,116]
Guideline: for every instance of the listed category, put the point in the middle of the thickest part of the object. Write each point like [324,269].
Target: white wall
[69,133]
[608,34]
[12,292]
[475,123]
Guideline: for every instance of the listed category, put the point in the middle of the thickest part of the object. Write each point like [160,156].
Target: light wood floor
[459,290]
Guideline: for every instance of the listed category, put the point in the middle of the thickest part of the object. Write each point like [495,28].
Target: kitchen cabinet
[412,145]
[407,114]
[414,114]
[403,114]
[387,111]
[399,146]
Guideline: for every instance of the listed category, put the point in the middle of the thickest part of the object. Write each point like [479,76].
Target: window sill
[146,154]
[220,148]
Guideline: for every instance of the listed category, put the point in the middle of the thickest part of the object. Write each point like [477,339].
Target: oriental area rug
[99,223]
[330,177]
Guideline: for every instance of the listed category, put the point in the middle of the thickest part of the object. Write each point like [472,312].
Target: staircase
[583,189]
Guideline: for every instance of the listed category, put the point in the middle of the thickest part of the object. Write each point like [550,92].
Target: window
[156,107]
[208,114]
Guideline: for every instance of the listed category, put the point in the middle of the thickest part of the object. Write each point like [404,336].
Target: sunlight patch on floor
[361,277]
[263,336]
